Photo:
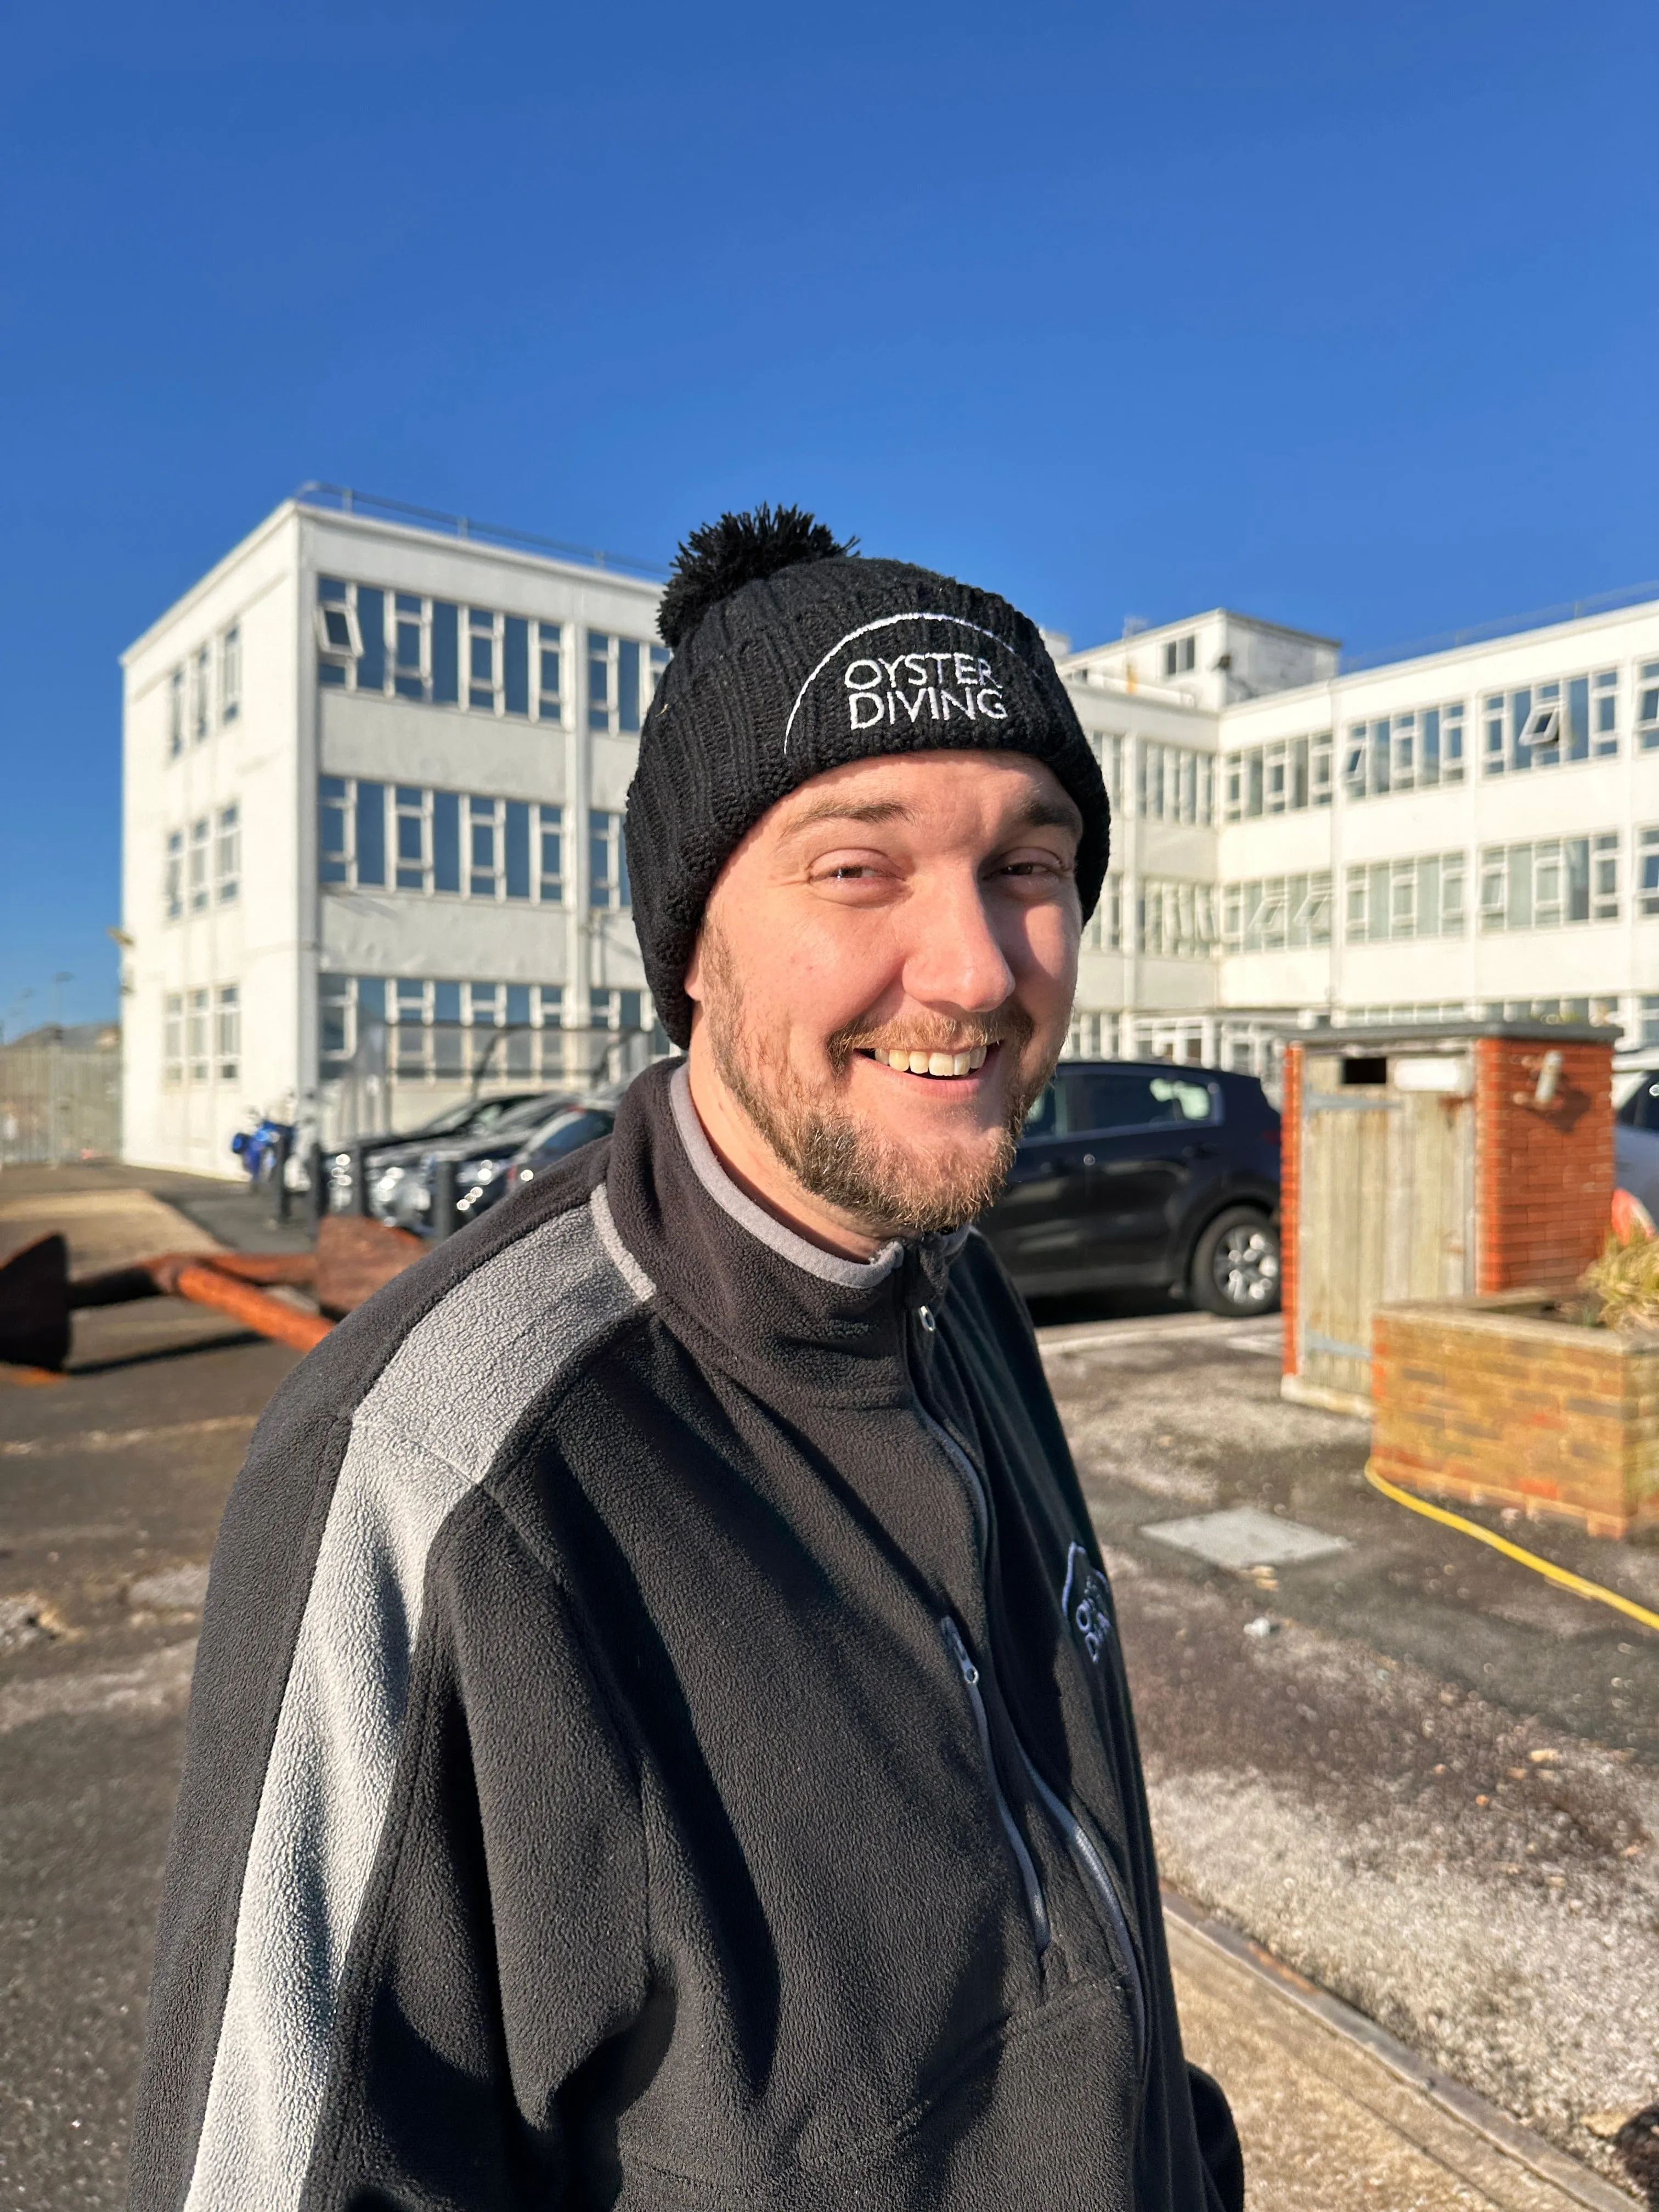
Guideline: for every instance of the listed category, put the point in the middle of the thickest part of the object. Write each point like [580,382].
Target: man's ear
[691,982]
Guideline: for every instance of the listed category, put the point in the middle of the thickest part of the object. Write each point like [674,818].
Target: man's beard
[842,1158]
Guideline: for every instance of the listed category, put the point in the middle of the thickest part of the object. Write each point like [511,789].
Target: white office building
[375,765]
[374,773]
[1471,831]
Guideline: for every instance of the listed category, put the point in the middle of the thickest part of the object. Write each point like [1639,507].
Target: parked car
[512,1153]
[1635,1142]
[400,1176]
[566,1132]
[472,1115]
[1146,1172]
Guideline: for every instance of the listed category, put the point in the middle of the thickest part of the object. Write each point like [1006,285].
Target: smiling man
[659,1738]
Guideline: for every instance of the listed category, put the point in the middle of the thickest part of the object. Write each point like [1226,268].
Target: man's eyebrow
[1039,813]
[873,811]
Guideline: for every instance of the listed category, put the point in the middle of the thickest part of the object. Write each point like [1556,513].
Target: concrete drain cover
[1246,1538]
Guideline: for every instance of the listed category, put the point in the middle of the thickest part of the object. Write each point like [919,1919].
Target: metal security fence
[60,1095]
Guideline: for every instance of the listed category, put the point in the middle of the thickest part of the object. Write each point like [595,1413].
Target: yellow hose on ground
[1575,1584]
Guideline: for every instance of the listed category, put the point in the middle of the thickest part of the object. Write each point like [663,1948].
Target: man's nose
[953,957]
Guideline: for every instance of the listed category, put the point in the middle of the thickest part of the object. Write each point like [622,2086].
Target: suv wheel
[1236,1266]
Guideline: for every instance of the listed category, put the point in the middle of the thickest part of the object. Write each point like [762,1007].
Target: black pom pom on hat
[793,655]
[723,556]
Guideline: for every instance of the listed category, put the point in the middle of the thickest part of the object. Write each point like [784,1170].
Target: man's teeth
[934,1063]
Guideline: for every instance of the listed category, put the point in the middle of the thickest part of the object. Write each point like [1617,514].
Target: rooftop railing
[1602,603]
[344,500]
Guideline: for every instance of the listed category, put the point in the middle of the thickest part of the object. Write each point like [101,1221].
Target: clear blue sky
[1340,314]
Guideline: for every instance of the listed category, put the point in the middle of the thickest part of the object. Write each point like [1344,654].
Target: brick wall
[1289,1189]
[1493,1404]
[1543,1176]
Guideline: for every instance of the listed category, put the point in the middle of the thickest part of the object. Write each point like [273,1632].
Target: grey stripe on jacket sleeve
[426,1433]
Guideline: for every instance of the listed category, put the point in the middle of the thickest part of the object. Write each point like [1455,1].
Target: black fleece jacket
[659,1740]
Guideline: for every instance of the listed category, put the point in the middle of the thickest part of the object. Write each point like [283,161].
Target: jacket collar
[750,1293]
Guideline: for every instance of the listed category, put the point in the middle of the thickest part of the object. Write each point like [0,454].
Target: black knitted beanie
[792,655]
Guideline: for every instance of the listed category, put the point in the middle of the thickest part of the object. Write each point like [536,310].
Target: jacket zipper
[1086,1856]
[1034,1901]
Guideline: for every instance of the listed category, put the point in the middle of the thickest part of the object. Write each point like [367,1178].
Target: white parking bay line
[1179,1327]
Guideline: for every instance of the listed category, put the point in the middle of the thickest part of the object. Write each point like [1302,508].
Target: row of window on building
[201,1035]
[405,837]
[401,645]
[1256,1046]
[204,693]
[430,1029]
[204,864]
[1545,883]
[1534,727]
[1171,782]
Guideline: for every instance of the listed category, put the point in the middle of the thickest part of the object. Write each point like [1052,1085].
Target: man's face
[884,979]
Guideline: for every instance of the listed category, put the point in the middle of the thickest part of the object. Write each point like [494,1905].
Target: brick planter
[1489,1399]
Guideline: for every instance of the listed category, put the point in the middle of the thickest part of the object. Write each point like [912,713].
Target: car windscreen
[567,1132]
[508,1131]
[1641,1109]
[1092,1100]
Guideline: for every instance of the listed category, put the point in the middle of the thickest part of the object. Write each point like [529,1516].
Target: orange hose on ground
[207,1285]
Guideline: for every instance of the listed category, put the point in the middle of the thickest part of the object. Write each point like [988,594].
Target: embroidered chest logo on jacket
[1086,1602]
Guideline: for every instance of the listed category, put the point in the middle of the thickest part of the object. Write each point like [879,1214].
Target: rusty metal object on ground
[352,1258]
[355,1255]
[35,1313]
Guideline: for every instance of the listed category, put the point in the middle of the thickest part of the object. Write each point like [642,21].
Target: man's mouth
[937,1064]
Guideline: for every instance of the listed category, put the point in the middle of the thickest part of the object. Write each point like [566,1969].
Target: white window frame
[172,878]
[176,703]
[230,674]
[548,821]
[227,853]
[201,852]
[338,656]
[550,637]
[198,1034]
[411,802]
[228,1031]
[172,1039]
[614,879]
[201,716]
[481,626]
[1647,876]
[410,680]
[480,812]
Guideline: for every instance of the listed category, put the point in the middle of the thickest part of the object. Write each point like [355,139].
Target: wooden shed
[1433,1161]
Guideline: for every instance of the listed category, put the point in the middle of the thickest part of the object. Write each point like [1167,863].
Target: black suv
[1146,1172]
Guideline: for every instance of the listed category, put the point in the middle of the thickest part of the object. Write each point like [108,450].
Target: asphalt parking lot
[1417,1774]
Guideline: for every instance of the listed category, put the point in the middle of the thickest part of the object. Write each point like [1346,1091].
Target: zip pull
[1035,1904]
[958,1651]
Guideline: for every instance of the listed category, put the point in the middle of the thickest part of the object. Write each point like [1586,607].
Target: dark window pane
[327,673]
[371,833]
[371,998]
[371,621]
[482,663]
[446,839]
[1120,1099]
[446,653]
[446,1002]
[518,849]
[628,1004]
[628,684]
[515,672]
[338,628]
[1044,1119]
[518,1006]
